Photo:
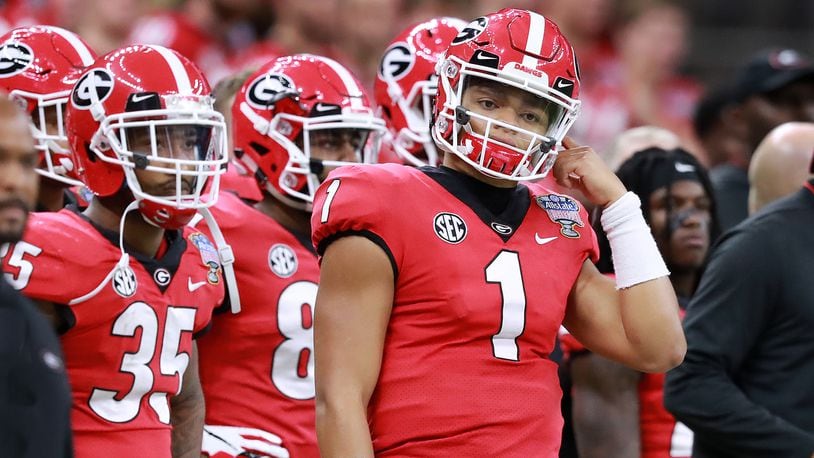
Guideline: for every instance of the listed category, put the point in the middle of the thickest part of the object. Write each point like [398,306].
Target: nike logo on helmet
[323,107]
[136,98]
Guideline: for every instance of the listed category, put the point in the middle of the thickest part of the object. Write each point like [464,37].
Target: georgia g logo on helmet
[472,30]
[268,89]
[95,85]
[14,58]
[396,62]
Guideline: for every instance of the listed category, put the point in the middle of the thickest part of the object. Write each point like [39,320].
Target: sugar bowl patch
[563,211]
[209,256]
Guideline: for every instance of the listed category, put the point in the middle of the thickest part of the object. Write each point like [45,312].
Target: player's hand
[234,440]
[579,167]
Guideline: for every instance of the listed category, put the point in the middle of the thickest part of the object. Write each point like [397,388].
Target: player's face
[689,218]
[510,105]
[171,142]
[18,180]
[342,145]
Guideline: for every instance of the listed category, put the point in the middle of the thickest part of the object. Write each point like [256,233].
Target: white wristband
[636,258]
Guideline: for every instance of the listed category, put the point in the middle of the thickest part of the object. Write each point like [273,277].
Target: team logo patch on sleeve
[282,260]
[209,256]
[563,211]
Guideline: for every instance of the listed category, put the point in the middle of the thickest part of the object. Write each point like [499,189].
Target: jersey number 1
[505,270]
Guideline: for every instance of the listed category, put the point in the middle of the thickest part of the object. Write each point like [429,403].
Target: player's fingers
[569,143]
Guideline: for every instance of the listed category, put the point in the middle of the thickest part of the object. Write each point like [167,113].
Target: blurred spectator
[215,34]
[24,13]
[484,7]
[614,407]
[745,385]
[772,88]
[306,26]
[780,164]
[713,125]
[645,87]
[35,399]
[637,139]
[106,24]
[414,11]
[364,29]
[587,25]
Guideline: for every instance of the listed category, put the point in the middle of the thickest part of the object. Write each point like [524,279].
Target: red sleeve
[47,264]
[358,200]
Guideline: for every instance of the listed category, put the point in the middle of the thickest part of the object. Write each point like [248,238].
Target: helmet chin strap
[122,265]
[227,258]
[225,253]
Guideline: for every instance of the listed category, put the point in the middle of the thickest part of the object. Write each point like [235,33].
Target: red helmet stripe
[177,68]
[348,81]
[85,54]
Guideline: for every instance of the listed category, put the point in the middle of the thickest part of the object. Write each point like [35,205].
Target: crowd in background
[633,53]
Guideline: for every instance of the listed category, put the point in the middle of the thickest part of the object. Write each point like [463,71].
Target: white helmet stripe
[177,68]
[348,80]
[534,44]
[85,54]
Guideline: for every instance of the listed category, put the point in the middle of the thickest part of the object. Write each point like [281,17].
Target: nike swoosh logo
[543,240]
[321,107]
[140,97]
[563,84]
[193,286]
[684,168]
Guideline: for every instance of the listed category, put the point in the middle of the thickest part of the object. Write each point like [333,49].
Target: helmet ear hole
[258,148]
[89,152]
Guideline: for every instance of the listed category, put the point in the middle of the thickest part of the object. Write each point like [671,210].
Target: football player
[38,67]
[406,85]
[294,119]
[125,282]
[442,289]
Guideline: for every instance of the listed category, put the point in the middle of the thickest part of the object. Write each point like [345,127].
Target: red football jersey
[478,301]
[257,366]
[130,343]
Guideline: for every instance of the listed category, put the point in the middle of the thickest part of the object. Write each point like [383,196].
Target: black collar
[176,246]
[502,209]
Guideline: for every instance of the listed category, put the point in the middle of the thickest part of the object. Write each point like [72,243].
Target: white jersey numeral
[505,270]
[17,260]
[326,206]
[121,408]
[292,366]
